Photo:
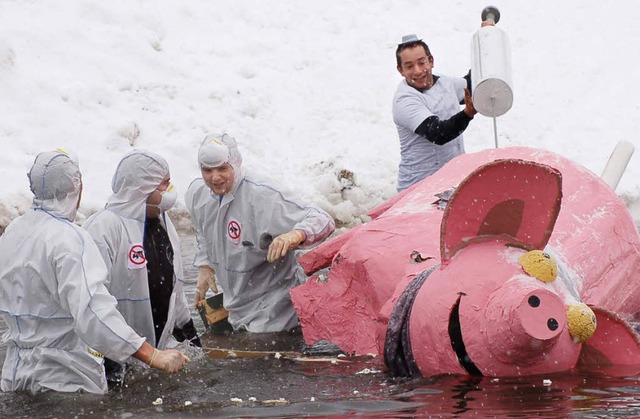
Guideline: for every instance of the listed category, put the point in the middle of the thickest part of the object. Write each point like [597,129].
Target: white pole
[495,131]
[617,163]
[495,125]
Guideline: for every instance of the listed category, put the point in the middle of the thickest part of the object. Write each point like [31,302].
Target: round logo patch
[234,230]
[136,255]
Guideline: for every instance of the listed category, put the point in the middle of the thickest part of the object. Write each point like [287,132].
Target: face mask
[169,198]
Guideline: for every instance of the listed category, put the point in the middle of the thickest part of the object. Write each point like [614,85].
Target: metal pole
[495,126]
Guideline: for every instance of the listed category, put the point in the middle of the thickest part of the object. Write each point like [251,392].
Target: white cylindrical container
[491,71]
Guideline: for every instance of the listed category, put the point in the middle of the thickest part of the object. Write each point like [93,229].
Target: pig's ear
[512,199]
[614,349]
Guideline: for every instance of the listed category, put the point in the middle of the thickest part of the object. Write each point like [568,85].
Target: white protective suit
[59,314]
[234,232]
[118,230]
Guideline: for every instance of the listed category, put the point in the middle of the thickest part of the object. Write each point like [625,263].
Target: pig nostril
[534,301]
[552,324]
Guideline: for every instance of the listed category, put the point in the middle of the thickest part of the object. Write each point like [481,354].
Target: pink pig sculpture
[506,262]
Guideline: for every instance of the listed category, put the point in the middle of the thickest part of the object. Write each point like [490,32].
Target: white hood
[56,184]
[216,150]
[138,174]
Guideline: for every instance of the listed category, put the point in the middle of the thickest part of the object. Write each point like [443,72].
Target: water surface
[268,386]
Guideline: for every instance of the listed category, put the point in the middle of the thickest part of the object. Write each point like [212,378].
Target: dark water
[267,386]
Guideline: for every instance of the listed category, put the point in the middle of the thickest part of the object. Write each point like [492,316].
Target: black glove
[187,332]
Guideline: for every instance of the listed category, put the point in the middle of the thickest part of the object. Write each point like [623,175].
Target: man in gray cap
[246,230]
[426,111]
[61,319]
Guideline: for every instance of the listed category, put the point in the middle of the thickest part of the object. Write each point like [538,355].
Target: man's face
[153,211]
[218,179]
[80,194]
[415,67]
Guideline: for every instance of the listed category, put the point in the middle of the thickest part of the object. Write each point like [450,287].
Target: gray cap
[408,39]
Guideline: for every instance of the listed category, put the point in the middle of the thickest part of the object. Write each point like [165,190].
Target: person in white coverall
[141,249]
[246,231]
[61,319]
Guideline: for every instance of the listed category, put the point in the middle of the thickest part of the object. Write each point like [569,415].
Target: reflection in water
[268,386]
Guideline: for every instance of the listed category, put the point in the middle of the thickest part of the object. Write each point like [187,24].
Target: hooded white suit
[234,232]
[118,230]
[61,317]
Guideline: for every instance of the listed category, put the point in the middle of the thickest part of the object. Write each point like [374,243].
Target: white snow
[304,87]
